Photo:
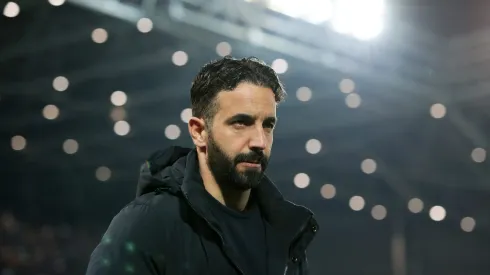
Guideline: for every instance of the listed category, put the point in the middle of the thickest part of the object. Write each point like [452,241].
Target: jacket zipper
[296,237]
[221,237]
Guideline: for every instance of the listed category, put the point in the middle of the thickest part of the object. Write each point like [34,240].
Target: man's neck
[232,198]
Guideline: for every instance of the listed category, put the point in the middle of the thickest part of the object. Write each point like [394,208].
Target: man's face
[241,136]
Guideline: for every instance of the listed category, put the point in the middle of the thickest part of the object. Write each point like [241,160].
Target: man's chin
[250,180]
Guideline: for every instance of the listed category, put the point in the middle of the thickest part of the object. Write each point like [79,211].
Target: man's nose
[258,140]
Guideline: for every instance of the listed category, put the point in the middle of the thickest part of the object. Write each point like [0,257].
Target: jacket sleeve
[128,245]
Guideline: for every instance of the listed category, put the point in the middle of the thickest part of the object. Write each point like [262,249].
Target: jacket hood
[158,170]
[176,171]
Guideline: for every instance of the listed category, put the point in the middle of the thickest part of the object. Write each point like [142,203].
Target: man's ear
[198,132]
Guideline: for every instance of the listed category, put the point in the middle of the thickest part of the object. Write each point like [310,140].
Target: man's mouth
[251,164]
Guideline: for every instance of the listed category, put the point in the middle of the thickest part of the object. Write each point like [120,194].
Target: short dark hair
[225,75]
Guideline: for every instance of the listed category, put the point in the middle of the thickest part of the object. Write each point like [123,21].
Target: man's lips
[250,164]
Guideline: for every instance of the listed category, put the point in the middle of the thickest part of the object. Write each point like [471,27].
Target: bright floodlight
[313,11]
[362,19]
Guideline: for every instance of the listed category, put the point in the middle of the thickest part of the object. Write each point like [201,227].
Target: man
[210,210]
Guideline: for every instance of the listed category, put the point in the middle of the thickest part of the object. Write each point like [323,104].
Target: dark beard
[224,169]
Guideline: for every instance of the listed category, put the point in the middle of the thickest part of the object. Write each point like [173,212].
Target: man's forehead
[233,103]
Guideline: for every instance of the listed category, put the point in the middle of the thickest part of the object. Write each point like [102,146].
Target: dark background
[54,209]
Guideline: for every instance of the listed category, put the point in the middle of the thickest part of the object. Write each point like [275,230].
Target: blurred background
[384,134]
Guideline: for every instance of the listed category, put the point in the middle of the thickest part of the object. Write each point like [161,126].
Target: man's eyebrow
[240,117]
[236,117]
[271,119]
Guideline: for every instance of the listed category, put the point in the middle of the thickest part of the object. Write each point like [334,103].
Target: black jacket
[168,230]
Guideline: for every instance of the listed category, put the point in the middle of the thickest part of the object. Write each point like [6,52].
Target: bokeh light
[60,83]
[347,86]
[438,111]
[118,113]
[180,58]
[56,3]
[144,25]
[103,173]
[301,180]
[100,35]
[357,203]
[70,146]
[51,112]
[303,94]
[415,205]
[280,66]
[18,143]
[368,166]
[223,49]
[119,98]
[379,212]
[437,213]
[353,100]
[468,224]
[122,128]
[186,115]
[11,9]
[328,191]
[172,132]
[313,146]
[479,155]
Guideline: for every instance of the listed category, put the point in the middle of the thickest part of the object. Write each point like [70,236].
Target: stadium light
[312,11]
[363,19]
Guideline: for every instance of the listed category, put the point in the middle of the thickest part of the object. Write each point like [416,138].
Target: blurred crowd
[43,249]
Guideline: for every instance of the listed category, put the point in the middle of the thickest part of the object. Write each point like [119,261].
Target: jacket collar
[286,218]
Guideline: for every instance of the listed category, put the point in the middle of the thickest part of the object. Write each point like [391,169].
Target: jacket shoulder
[145,220]
[138,234]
